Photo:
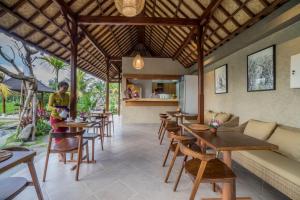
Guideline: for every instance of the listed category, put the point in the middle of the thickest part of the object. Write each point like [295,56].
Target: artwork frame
[221,74]
[261,70]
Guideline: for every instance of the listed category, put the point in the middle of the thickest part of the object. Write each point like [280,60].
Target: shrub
[42,127]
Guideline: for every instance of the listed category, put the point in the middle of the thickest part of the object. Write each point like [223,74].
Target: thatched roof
[41,23]
[15,85]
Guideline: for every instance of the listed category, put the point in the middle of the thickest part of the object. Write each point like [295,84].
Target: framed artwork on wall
[221,79]
[261,70]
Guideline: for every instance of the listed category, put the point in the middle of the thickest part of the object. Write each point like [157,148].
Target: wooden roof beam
[137,21]
[205,16]
[250,22]
[67,10]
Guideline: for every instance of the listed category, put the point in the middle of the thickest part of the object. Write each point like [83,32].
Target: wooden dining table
[77,126]
[226,142]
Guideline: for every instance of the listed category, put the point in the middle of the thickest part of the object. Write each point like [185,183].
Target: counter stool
[170,126]
[162,118]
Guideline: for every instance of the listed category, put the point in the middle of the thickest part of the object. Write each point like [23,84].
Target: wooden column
[107,86]
[119,90]
[73,62]
[200,62]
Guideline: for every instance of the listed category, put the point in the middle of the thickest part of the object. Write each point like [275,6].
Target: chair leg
[180,174]
[79,158]
[101,139]
[198,179]
[159,130]
[65,158]
[107,132]
[87,152]
[110,129]
[47,159]
[172,163]
[167,154]
[93,150]
[113,125]
[162,136]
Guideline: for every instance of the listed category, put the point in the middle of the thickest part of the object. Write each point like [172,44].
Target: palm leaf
[4,90]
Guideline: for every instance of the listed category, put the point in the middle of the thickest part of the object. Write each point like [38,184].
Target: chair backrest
[189,152]
[176,137]
[54,134]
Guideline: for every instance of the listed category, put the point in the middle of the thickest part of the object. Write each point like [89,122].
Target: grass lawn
[10,108]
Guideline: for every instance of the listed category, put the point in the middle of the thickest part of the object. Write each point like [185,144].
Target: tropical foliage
[56,64]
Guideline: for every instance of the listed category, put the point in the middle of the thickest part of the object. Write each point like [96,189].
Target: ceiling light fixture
[138,62]
[130,8]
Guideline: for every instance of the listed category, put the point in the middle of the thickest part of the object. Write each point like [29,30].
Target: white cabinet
[295,71]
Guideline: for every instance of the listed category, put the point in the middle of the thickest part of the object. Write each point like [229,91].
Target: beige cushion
[223,117]
[208,116]
[275,162]
[288,142]
[258,129]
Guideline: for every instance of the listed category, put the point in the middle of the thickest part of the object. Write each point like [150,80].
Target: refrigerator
[188,94]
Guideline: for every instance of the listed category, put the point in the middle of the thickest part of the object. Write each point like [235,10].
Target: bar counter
[151,102]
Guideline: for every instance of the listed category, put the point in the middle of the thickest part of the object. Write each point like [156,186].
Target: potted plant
[214,125]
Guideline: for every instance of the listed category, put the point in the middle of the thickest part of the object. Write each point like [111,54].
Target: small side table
[12,186]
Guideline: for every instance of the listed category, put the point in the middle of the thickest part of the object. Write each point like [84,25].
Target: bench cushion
[275,162]
[223,117]
[288,142]
[208,116]
[258,129]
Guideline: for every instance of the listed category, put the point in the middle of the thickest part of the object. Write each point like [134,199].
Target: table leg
[35,180]
[228,190]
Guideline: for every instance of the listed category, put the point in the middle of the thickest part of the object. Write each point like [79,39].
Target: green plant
[57,65]
[42,127]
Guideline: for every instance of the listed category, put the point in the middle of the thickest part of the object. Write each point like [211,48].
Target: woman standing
[58,103]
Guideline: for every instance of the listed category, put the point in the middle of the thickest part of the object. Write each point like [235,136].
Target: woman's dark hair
[63,84]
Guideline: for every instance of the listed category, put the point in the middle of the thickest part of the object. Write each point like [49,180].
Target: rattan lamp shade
[130,8]
[138,62]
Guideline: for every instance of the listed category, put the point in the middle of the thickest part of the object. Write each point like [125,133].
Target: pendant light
[130,8]
[138,62]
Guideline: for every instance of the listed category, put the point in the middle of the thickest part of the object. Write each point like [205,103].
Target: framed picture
[261,70]
[221,82]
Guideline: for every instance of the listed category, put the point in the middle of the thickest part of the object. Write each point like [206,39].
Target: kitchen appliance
[188,94]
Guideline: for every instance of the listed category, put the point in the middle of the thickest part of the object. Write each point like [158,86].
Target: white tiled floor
[129,168]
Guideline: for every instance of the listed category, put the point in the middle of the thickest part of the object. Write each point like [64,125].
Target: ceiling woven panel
[41,23]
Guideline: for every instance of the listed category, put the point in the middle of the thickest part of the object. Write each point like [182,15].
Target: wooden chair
[70,143]
[98,131]
[204,168]
[175,139]
[169,126]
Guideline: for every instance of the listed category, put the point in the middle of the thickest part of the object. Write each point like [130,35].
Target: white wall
[281,105]
[148,114]
[154,66]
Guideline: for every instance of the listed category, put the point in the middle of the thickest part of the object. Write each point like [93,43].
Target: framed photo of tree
[261,70]
[221,79]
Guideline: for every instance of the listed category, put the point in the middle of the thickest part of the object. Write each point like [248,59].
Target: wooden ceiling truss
[167,28]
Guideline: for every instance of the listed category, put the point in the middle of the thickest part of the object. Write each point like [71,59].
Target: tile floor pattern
[129,168]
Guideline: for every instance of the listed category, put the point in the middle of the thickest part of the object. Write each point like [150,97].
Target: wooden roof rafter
[170,38]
